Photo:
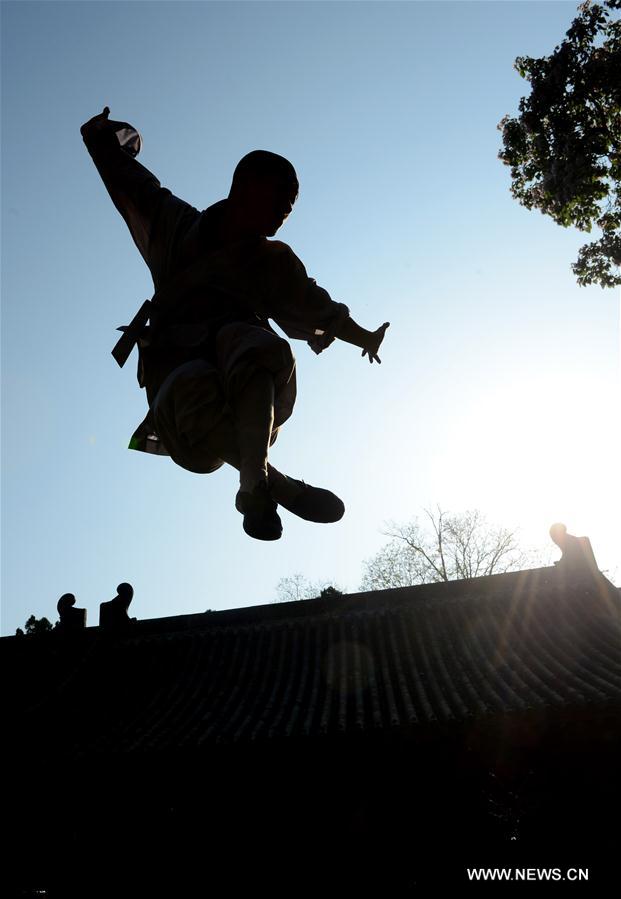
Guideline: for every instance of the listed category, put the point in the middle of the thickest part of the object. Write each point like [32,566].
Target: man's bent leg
[200,434]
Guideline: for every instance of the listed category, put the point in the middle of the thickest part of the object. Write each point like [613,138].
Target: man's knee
[188,407]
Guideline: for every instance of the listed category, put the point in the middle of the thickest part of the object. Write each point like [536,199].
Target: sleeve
[298,305]
[151,212]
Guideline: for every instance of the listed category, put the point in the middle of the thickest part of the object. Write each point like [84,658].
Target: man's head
[264,189]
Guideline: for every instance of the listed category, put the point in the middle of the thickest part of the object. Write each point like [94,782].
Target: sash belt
[165,299]
[131,334]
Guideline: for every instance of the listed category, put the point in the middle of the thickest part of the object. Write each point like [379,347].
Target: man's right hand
[96,124]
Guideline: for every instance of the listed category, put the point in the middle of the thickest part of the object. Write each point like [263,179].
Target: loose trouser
[197,398]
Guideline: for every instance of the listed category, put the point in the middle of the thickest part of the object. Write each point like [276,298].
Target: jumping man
[219,381]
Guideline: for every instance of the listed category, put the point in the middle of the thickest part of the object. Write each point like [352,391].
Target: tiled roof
[407,658]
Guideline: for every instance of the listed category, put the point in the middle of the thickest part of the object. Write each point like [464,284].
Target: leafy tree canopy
[564,148]
[35,626]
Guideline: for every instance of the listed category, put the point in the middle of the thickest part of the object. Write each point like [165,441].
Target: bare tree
[450,547]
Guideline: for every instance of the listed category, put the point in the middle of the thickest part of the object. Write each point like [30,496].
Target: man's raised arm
[134,190]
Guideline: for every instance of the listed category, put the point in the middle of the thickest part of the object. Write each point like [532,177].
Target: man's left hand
[374,344]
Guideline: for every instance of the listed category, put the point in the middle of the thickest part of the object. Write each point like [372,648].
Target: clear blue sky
[500,377]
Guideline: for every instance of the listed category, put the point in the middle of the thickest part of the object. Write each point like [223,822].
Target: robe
[202,284]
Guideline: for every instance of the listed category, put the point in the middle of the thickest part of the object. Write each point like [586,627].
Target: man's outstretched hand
[374,343]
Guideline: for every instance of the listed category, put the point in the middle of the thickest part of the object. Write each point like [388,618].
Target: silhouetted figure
[113,614]
[71,619]
[219,381]
[578,557]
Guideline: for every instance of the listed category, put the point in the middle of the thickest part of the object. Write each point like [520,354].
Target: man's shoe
[314,504]
[261,520]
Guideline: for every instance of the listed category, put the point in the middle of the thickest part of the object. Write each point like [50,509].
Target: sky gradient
[499,383]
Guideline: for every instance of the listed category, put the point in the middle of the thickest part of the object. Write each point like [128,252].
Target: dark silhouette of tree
[296,587]
[448,548]
[330,592]
[564,148]
[35,626]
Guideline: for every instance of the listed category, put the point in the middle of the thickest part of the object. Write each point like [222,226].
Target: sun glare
[538,454]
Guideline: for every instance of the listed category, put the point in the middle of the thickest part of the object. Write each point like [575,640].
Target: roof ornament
[113,613]
[71,619]
[578,557]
